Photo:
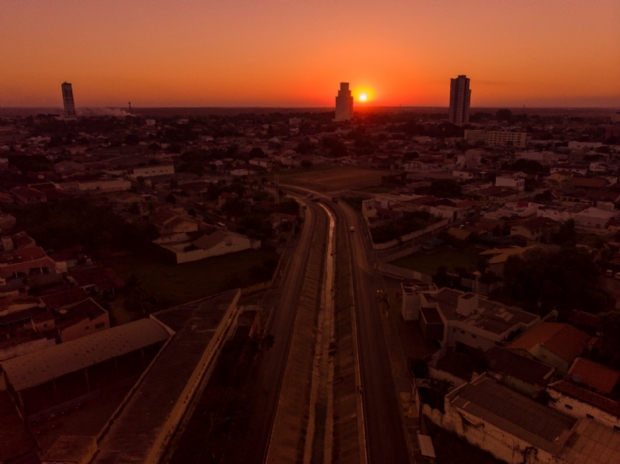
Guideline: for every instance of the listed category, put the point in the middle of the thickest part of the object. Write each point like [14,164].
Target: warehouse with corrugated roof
[46,379]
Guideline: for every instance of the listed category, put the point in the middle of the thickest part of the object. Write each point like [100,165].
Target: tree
[566,280]
[257,152]
[171,199]
[445,188]
[504,115]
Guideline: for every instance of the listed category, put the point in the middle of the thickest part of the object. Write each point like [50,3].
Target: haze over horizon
[292,54]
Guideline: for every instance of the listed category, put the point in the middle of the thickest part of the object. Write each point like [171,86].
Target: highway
[251,445]
[385,433]
[271,369]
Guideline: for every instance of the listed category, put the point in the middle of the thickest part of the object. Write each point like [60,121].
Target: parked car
[617,276]
[352,229]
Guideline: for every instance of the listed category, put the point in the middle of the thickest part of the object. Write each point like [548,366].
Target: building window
[87,327]
[99,325]
[568,406]
[589,416]
[473,336]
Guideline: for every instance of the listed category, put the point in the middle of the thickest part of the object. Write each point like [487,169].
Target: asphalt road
[271,366]
[385,433]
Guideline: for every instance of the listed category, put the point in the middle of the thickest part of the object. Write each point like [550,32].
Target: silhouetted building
[344,103]
[67,100]
[460,96]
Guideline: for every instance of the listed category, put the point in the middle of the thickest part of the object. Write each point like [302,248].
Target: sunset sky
[296,52]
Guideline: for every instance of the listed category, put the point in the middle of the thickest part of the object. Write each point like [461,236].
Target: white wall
[579,409]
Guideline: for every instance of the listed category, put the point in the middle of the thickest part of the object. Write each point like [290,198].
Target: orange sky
[295,52]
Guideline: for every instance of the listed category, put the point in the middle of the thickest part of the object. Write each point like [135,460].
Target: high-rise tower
[67,99]
[460,96]
[344,103]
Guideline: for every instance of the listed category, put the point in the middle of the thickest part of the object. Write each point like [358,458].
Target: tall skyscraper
[460,96]
[344,103]
[67,99]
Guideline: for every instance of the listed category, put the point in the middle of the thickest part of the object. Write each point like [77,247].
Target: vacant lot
[429,262]
[174,284]
[327,179]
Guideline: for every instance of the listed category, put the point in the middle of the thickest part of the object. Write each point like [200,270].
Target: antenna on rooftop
[129,103]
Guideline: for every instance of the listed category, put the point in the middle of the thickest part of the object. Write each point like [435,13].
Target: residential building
[451,316]
[525,375]
[344,103]
[553,343]
[517,429]
[497,138]
[151,171]
[589,390]
[513,182]
[460,97]
[595,218]
[67,100]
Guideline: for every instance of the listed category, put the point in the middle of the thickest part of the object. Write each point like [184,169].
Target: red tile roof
[594,375]
[65,298]
[103,278]
[563,340]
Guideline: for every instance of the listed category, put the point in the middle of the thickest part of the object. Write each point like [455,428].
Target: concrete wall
[203,370]
[579,409]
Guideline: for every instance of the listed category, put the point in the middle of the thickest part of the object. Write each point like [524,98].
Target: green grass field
[429,262]
[173,284]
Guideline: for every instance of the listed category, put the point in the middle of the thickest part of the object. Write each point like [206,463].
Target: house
[517,429]
[589,390]
[97,279]
[25,195]
[555,344]
[525,375]
[513,182]
[81,319]
[216,243]
[152,171]
[533,229]
[499,256]
[453,317]
[594,218]
[170,223]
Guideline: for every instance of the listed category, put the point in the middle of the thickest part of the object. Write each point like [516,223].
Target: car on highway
[352,229]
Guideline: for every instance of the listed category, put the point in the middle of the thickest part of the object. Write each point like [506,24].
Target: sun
[363,97]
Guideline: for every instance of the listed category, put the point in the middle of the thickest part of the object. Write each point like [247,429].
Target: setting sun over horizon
[242,53]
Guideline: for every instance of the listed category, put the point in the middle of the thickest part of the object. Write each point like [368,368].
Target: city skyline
[244,54]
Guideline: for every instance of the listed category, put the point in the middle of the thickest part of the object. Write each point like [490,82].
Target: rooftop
[42,366]
[563,340]
[592,443]
[522,368]
[594,375]
[542,426]
[150,407]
